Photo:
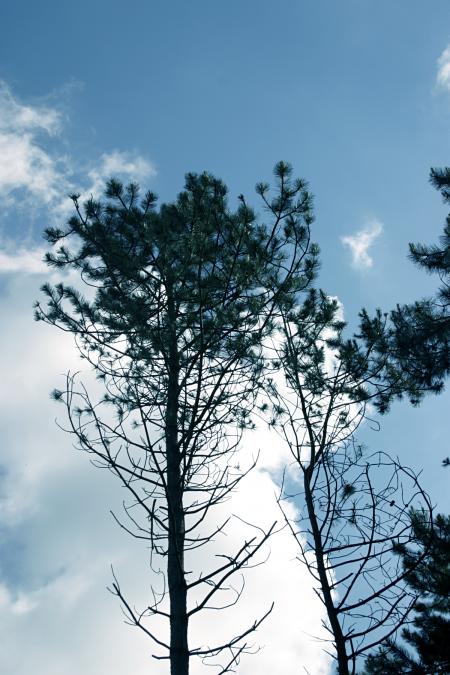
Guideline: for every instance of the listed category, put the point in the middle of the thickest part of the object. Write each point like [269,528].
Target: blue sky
[355,94]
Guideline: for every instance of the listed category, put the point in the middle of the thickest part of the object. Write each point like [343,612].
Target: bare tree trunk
[341,653]
[179,651]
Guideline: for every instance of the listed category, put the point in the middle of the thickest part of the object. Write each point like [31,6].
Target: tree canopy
[176,309]
[425,648]
[171,309]
[354,504]
[407,351]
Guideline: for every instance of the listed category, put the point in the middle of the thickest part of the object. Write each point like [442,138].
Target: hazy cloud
[24,260]
[36,171]
[16,116]
[360,243]
[58,539]
[443,74]
[119,164]
[24,164]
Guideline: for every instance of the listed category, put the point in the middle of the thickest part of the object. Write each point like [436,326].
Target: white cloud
[36,173]
[29,259]
[25,260]
[360,243]
[443,74]
[127,166]
[24,164]
[18,117]
[117,164]
[287,635]
[39,174]
[58,539]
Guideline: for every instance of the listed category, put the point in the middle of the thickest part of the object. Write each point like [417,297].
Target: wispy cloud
[25,261]
[36,173]
[35,169]
[53,505]
[19,117]
[360,243]
[58,540]
[24,164]
[121,164]
[29,258]
[127,166]
[443,74]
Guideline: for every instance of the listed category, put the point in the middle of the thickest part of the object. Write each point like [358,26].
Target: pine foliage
[407,352]
[427,648]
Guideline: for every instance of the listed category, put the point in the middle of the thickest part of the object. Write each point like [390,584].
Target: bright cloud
[29,259]
[443,74]
[58,539]
[16,116]
[118,164]
[57,536]
[24,163]
[33,172]
[360,243]
[25,261]
[127,166]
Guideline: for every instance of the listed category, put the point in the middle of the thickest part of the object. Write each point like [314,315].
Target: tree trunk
[341,653]
[179,651]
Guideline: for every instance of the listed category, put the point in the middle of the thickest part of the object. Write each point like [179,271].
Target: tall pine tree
[179,301]
[429,634]
[407,352]
[354,504]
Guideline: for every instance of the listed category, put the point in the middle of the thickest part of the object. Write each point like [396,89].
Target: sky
[356,96]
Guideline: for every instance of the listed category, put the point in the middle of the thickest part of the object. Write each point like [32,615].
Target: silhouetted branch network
[178,304]
[357,508]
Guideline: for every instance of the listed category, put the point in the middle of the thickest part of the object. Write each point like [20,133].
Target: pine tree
[408,350]
[179,301]
[356,504]
[429,636]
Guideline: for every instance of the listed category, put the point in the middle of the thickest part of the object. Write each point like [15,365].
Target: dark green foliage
[216,277]
[356,503]
[178,302]
[429,635]
[407,352]
[223,269]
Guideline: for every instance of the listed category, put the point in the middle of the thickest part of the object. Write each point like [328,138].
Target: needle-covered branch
[178,303]
[358,507]
[406,351]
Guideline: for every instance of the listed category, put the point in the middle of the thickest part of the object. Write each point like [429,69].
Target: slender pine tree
[425,648]
[179,302]
[410,346]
